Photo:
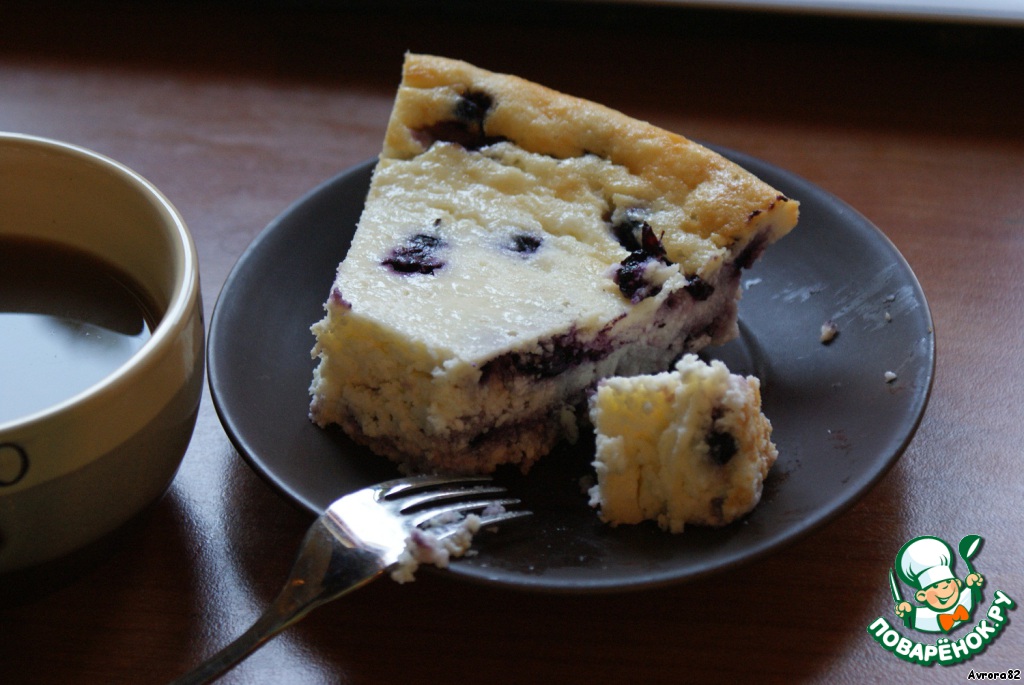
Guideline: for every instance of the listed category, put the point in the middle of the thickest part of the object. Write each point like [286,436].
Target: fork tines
[433,498]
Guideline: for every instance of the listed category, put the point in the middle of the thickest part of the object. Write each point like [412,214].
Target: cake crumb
[424,547]
[829,331]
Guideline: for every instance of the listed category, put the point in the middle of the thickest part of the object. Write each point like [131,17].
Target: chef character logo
[946,608]
[943,601]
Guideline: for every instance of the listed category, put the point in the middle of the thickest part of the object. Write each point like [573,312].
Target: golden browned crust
[721,202]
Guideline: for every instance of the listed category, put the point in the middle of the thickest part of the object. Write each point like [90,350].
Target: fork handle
[267,626]
[323,572]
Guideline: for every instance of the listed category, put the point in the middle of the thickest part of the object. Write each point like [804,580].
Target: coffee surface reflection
[67,320]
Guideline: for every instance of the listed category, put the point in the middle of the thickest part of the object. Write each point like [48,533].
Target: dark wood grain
[235,112]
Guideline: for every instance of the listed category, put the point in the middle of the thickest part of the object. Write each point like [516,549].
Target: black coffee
[67,320]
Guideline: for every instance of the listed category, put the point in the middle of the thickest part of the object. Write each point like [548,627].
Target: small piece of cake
[423,547]
[516,245]
[688,446]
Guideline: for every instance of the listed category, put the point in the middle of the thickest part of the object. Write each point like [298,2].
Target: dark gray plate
[838,424]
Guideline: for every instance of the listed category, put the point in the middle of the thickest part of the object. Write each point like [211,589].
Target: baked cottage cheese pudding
[516,246]
[685,446]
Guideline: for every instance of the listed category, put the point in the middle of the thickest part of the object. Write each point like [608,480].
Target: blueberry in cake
[517,245]
[687,446]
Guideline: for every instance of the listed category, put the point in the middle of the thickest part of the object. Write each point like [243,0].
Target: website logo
[929,597]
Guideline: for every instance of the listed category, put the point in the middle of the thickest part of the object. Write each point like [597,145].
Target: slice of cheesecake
[516,246]
[687,446]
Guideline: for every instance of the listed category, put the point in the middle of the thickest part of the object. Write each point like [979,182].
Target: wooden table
[234,113]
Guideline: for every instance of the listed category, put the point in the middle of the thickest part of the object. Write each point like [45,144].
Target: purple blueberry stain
[718,508]
[721,447]
[524,243]
[629,229]
[631,276]
[651,245]
[466,127]
[699,289]
[337,299]
[472,107]
[419,254]
[554,356]
[749,254]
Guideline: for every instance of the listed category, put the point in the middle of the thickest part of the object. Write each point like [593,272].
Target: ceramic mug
[76,470]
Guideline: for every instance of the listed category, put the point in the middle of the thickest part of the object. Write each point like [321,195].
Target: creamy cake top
[479,251]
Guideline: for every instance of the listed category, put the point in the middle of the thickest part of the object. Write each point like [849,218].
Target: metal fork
[358,538]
